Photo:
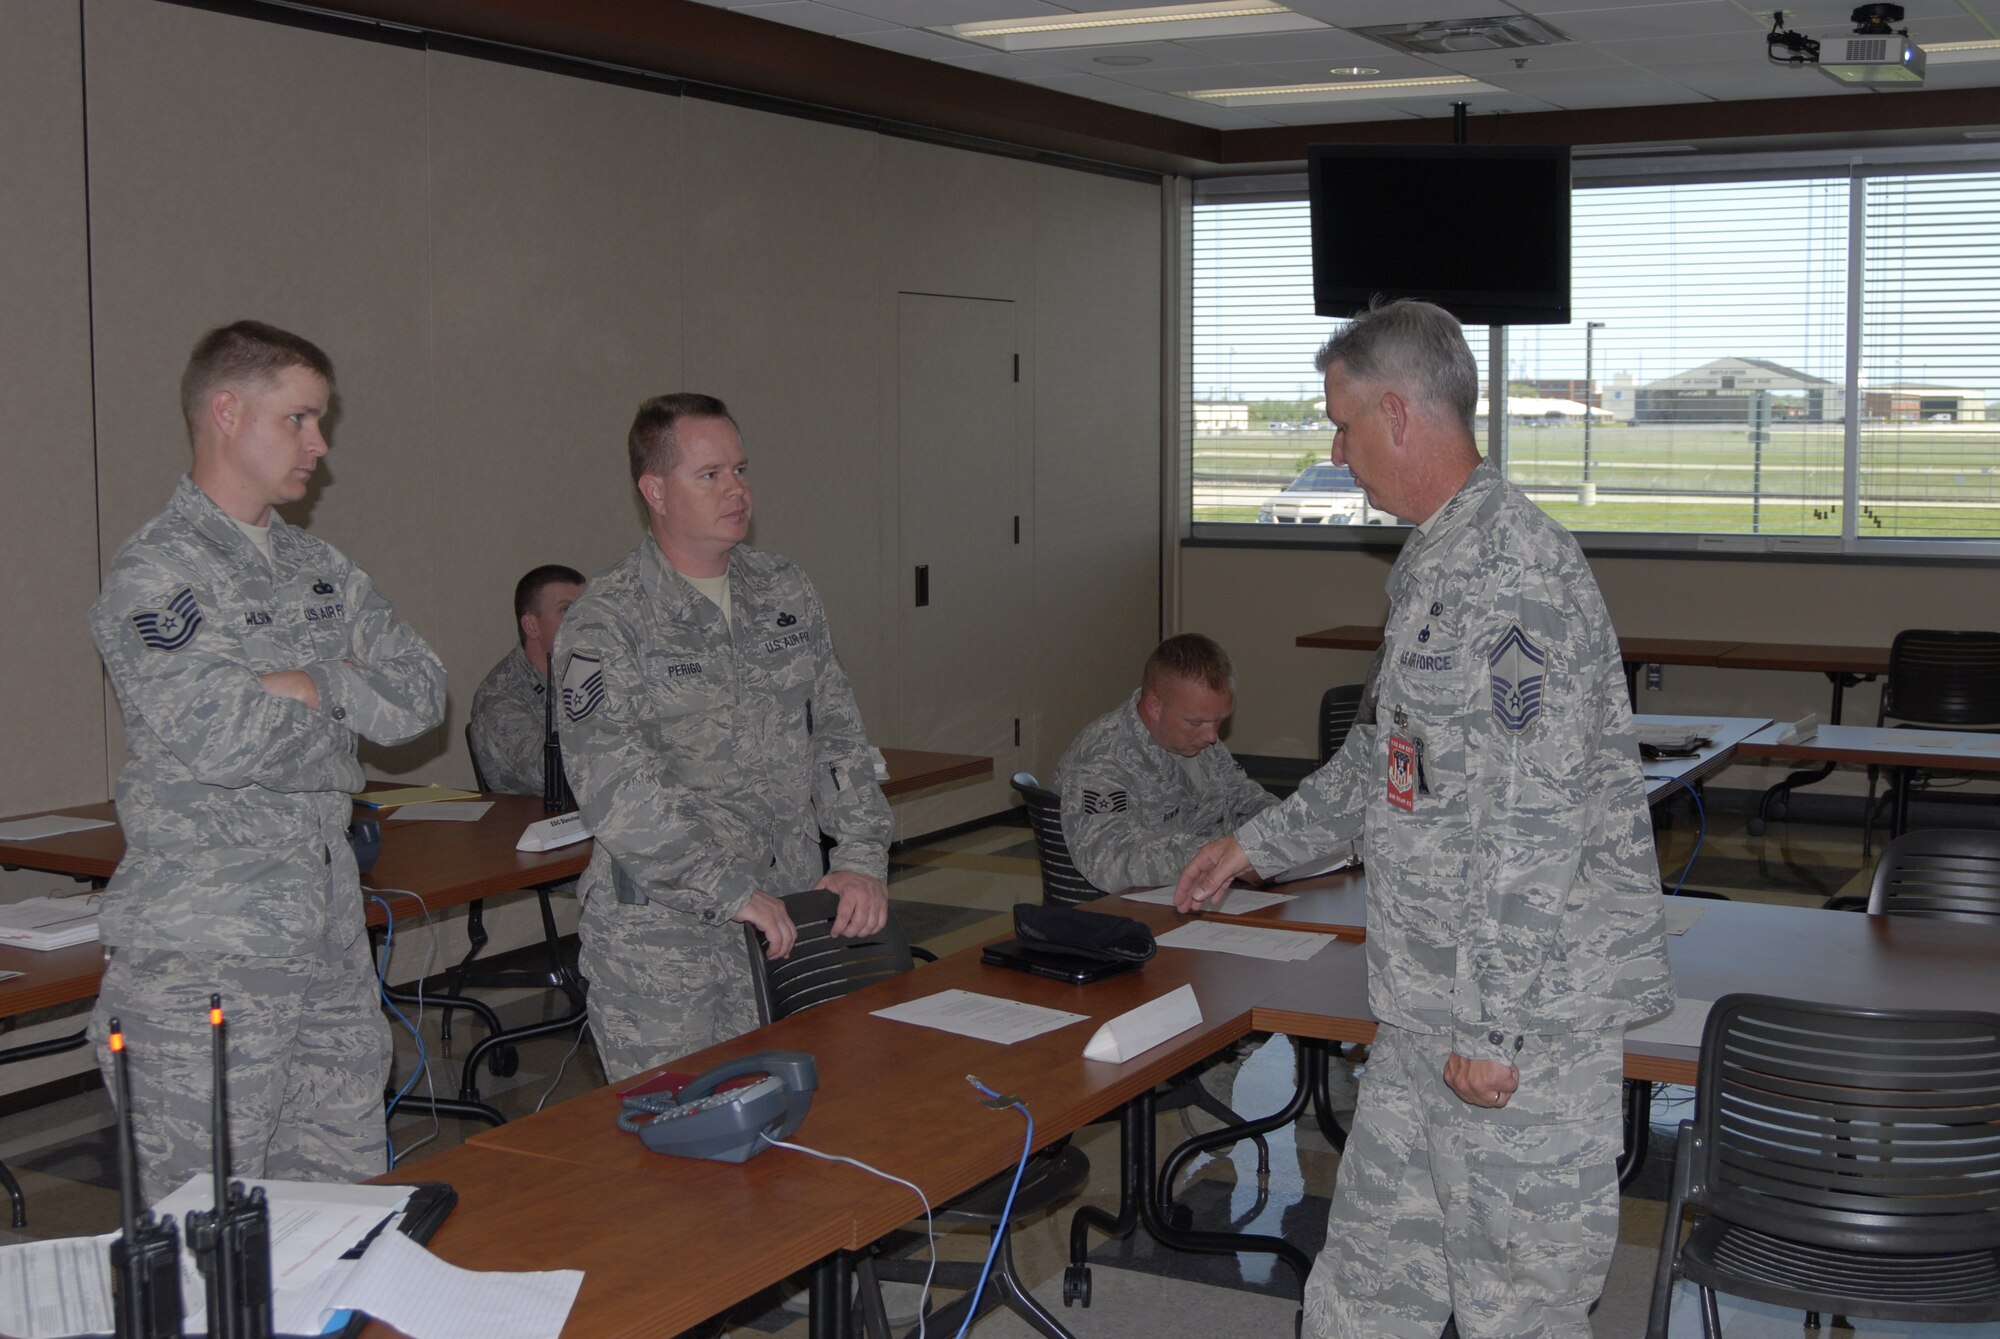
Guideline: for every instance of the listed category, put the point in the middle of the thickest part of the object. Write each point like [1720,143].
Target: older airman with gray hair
[1514,910]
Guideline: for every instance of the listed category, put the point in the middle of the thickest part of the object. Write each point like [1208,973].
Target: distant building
[1719,392]
[1212,416]
[1953,404]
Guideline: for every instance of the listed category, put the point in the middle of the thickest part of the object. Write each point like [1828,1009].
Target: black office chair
[1338,707]
[1937,681]
[1945,873]
[821,968]
[1063,884]
[1840,1159]
[504,1060]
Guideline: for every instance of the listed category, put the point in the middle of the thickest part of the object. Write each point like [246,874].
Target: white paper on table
[401,1284]
[53,1289]
[1986,743]
[1139,1030]
[1233,902]
[1681,915]
[1313,868]
[1926,739]
[982,1017]
[1249,941]
[444,811]
[48,825]
[1680,1026]
[1677,735]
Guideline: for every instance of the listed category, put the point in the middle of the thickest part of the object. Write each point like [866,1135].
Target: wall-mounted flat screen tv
[1481,230]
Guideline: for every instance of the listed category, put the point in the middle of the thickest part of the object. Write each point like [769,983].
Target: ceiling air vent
[1445,37]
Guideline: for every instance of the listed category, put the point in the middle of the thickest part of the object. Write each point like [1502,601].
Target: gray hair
[1415,346]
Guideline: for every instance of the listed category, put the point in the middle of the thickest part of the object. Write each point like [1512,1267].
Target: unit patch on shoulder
[1106,802]
[171,626]
[1516,664]
[582,686]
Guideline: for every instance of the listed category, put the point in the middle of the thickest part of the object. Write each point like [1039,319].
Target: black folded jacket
[1083,934]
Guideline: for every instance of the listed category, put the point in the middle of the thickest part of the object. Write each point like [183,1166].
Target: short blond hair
[244,353]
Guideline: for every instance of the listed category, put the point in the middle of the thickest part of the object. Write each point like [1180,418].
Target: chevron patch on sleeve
[171,626]
[582,686]
[1516,664]
[1105,801]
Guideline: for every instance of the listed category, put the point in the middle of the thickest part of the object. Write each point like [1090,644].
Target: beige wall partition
[54,733]
[502,261]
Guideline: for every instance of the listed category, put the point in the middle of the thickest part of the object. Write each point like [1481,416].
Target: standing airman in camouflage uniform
[710,735]
[509,716]
[247,657]
[1147,784]
[1514,914]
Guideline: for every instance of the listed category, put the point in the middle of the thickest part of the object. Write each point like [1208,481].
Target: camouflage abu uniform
[509,726]
[1514,915]
[237,874]
[1132,813]
[707,758]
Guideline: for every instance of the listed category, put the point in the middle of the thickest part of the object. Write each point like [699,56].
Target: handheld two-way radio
[232,1241]
[145,1259]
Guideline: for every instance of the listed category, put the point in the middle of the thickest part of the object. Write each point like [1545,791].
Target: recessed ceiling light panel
[1457,85]
[1111,27]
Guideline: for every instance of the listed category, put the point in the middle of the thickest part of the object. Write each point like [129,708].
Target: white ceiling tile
[933,13]
[1008,65]
[1605,86]
[1370,13]
[1392,64]
[1748,80]
[1208,76]
[815,18]
[1195,113]
[1159,56]
[1497,65]
[917,42]
[1673,20]
[1329,44]
[1686,48]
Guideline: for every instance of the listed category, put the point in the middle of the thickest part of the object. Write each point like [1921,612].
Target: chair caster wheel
[1076,1285]
[1755,827]
[504,1063]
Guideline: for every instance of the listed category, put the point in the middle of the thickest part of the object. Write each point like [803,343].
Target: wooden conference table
[447,864]
[1844,666]
[665,1242]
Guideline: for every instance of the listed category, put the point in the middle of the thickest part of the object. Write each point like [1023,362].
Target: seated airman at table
[1149,783]
[509,712]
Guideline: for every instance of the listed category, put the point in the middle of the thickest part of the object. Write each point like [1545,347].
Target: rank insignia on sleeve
[172,626]
[1516,665]
[1105,802]
[582,686]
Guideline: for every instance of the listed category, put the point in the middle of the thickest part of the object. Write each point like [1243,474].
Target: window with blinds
[1722,381]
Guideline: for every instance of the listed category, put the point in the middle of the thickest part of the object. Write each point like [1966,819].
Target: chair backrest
[1948,873]
[1854,1129]
[1063,884]
[1337,708]
[1943,678]
[821,968]
[478,777]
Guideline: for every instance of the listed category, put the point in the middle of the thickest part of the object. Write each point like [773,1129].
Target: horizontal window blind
[1929,464]
[1702,387]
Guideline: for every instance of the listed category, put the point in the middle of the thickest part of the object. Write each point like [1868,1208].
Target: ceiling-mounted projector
[1874,54]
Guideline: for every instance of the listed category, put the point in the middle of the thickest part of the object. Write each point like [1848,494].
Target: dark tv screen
[1481,230]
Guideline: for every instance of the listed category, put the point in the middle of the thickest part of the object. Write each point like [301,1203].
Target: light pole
[1590,329]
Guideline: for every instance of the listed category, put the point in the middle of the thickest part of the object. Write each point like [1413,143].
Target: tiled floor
[955,892]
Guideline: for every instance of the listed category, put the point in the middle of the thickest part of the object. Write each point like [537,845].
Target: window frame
[1654,166]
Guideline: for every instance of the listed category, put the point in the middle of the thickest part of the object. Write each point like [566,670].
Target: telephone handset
[729,1126]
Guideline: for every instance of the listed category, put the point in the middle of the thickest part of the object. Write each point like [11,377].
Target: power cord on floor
[415,1029]
[930,1229]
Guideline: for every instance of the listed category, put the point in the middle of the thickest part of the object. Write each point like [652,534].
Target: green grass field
[1918,481]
